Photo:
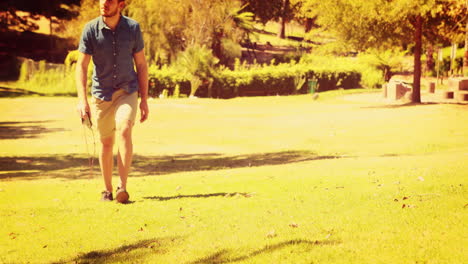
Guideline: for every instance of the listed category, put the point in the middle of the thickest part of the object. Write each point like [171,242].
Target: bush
[281,79]
[71,58]
[46,78]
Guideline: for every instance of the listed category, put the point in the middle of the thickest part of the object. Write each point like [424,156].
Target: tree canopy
[61,9]
[387,24]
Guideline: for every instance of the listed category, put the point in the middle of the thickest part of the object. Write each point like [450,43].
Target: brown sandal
[121,195]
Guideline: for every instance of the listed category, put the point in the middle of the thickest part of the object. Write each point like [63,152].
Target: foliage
[386,62]
[60,9]
[386,24]
[172,26]
[264,10]
[72,58]
[260,80]
[383,24]
[53,81]
[88,10]
[198,64]
[162,25]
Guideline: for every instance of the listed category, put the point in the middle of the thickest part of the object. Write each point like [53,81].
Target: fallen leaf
[294,225]
[405,198]
[395,200]
[44,246]
[141,229]
[403,206]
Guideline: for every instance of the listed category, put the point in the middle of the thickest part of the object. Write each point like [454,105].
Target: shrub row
[282,79]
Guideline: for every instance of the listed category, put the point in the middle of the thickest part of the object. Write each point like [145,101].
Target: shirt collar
[103,25]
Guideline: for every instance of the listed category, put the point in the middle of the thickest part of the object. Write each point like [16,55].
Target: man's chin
[104,14]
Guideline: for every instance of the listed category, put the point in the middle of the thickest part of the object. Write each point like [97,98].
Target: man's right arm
[81,83]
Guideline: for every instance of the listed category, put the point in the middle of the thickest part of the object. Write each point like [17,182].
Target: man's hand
[83,109]
[144,111]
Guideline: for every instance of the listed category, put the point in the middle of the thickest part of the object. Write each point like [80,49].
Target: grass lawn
[345,179]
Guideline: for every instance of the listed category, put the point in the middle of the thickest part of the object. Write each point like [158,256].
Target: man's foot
[121,195]
[106,196]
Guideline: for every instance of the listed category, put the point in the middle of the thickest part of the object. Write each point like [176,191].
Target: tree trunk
[430,64]
[283,18]
[417,60]
[465,58]
[282,29]
[309,24]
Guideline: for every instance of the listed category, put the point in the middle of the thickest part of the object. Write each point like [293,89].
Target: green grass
[343,179]
[447,51]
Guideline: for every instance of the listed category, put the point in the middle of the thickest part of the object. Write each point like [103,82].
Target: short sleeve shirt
[112,53]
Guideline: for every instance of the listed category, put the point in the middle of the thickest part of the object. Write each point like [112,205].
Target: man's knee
[124,130]
[108,142]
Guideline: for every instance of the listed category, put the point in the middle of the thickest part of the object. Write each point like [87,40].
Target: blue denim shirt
[112,53]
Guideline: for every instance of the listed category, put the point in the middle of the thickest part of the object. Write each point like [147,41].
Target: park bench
[396,89]
[458,89]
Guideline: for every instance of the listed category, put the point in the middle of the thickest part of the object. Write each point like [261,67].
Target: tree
[282,11]
[385,24]
[307,11]
[88,10]
[264,10]
[172,26]
[58,9]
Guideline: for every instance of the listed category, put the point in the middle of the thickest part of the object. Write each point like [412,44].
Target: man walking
[115,44]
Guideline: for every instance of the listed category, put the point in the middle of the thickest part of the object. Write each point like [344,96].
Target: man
[115,44]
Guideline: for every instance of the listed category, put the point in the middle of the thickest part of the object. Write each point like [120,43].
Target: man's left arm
[142,73]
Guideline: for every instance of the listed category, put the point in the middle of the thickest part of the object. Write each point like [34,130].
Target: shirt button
[115,65]
[115,54]
[115,76]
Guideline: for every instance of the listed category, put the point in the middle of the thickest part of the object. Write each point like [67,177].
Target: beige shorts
[112,114]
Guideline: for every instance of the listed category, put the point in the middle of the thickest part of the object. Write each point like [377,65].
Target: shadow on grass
[229,256]
[77,166]
[16,92]
[406,105]
[180,196]
[134,253]
[27,129]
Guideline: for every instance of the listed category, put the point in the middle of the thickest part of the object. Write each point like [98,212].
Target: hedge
[282,79]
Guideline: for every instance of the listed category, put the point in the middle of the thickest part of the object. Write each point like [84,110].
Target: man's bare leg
[125,153]
[106,161]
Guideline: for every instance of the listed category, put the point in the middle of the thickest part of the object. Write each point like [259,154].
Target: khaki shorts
[112,114]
